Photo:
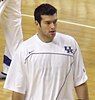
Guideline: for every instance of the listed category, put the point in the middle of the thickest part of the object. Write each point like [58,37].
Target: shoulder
[24,48]
[26,45]
[29,41]
[65,38]
[66,41]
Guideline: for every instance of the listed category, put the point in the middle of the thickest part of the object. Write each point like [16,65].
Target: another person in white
[10,18]
[49,65]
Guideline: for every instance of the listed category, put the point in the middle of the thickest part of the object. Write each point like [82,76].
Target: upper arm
[79,70]
[17,96]
[82,92]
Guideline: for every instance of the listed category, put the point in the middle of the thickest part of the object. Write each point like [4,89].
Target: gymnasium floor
[76,18]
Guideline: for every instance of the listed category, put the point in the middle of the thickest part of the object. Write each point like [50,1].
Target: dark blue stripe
[6,60]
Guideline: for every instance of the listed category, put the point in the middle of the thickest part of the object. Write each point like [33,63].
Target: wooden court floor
[76,18]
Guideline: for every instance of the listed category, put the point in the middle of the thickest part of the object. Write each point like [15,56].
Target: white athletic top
[47,71]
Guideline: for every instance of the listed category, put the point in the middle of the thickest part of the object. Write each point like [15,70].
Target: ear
[36,22]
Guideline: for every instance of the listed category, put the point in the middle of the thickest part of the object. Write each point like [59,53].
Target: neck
[44,39]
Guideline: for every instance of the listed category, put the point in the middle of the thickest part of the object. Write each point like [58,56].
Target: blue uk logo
[68,49]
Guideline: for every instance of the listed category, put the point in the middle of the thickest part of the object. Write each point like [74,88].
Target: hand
[1,0]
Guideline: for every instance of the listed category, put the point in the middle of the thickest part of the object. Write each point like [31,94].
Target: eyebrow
[52,21]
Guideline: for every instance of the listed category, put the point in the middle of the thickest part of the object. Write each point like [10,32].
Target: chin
[52,37]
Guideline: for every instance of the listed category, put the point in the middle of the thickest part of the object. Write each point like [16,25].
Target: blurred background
[76,18]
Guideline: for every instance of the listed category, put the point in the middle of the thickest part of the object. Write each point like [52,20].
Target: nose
[52,25]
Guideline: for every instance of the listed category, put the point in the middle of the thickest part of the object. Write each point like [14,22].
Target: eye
[48,22]
[54,22]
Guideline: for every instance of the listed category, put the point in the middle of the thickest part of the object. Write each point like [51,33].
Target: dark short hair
[44,9]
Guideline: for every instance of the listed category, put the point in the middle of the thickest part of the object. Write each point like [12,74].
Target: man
[10,18]
[49,65]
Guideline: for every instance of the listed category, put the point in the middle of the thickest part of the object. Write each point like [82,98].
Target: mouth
[52,33]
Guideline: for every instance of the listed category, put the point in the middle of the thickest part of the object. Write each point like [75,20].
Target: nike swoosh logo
[31,51]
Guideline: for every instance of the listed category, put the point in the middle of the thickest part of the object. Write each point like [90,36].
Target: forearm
[82,92]
[11,24]
[17,96]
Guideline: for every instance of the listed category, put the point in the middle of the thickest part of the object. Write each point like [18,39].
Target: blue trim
[7,60]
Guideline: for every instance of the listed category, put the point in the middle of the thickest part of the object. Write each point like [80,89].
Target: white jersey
[47,71]
[3,6]
[10,18]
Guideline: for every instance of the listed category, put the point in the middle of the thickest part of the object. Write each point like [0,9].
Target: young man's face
[47,28]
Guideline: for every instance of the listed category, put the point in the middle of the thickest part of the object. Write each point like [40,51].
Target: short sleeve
[80,75]
[16,80]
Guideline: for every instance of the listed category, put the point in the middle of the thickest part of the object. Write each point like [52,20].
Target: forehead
[49,17]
